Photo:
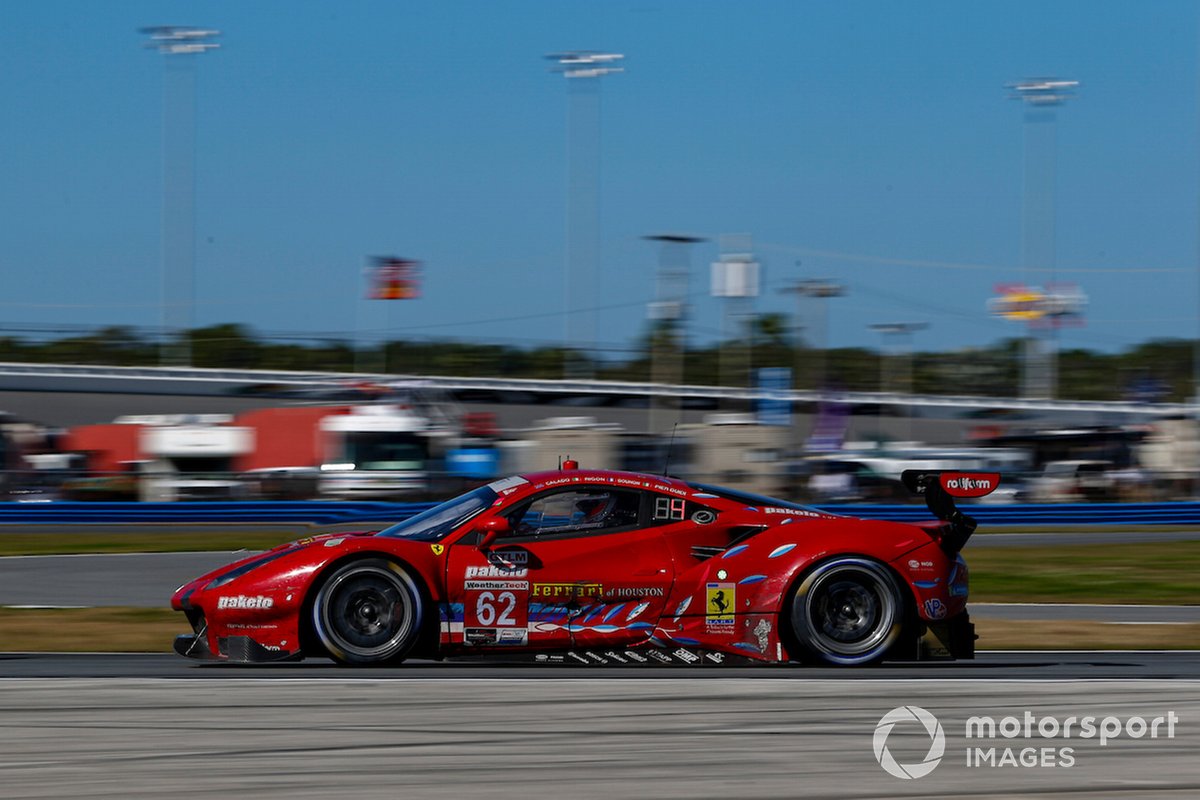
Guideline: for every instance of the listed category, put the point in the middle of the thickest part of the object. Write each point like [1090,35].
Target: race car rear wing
[939,490]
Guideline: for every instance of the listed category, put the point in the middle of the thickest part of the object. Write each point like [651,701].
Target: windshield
[756,500]
[441,520]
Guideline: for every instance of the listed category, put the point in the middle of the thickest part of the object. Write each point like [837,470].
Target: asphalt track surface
[148,580]
[584,734]
[1060,665]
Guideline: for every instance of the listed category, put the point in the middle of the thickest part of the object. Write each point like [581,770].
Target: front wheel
[368,612]
[848,611]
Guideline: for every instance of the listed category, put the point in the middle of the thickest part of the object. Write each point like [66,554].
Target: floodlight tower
[179,46]
[735,280]
[821,290]
[668,318]
[899,336]
[1040,98]
[583,70]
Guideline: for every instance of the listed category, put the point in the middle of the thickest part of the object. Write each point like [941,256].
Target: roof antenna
[670,444]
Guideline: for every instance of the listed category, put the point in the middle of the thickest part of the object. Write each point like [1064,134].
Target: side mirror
[489,530]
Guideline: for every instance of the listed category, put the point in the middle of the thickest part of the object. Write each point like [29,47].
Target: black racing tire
[848,611]
[368,612]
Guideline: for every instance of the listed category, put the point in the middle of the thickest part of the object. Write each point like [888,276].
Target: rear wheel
[368,612]
[847,611]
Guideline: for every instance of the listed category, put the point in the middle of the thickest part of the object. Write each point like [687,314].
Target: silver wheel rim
[847,610]
[366,612]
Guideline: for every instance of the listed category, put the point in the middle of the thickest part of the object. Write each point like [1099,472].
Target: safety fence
[336,513]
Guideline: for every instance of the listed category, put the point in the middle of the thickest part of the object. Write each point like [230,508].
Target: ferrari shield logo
[437,549]
[718,612]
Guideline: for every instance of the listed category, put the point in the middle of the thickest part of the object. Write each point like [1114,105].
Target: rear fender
[939,581]
[764,569]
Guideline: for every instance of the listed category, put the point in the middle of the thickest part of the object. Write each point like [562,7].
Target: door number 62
[492,609]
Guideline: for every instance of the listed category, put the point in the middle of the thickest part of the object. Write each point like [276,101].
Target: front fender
[266,604]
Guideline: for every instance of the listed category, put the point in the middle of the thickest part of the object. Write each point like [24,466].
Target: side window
[576,510]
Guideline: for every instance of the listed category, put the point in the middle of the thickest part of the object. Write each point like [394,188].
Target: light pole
[668,317]
[583,70]
[901,335]
[179,46]
[735,279]
[821,290]
[1040,98]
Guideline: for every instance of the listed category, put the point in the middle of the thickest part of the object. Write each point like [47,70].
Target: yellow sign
[567,591]
[1019,302]
[437,549]
[720,603]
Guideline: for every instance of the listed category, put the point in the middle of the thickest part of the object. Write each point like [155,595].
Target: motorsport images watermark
[986,738]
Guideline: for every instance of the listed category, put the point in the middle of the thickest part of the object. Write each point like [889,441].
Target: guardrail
[267,511]
[73,377]
[336,513]
[1181,513]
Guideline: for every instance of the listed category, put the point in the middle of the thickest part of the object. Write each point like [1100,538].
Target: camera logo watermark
[1048,741]
[909,715]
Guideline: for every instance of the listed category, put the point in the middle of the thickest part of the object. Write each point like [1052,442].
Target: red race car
[599,567]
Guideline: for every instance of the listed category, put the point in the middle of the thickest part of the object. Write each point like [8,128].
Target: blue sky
[872,141]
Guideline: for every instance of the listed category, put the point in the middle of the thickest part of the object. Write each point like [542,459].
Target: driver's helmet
[595,508]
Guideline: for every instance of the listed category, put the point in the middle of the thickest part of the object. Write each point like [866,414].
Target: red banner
[395,279]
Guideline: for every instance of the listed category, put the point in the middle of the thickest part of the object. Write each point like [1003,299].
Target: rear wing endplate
[939,490]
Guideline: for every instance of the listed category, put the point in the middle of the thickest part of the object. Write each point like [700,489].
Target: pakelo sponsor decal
[719,604]
[793,512]
[242,601]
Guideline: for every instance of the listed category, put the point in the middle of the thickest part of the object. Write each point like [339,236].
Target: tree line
[1159,370]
